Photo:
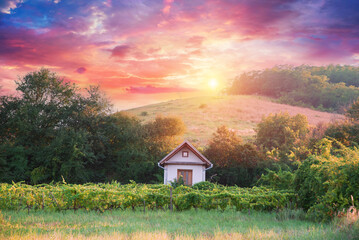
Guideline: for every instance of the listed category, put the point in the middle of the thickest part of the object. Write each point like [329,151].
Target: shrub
[204,186]
[177,182]
[277,179]
[188,200]
[182,189]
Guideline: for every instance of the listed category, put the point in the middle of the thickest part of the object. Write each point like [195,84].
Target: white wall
[198,172]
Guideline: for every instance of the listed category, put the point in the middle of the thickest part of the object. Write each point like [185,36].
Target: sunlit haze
[213,84]
[142,52]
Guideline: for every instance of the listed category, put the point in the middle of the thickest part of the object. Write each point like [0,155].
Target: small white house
[186,161]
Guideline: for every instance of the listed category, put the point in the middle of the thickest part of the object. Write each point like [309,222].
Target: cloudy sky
[143,51]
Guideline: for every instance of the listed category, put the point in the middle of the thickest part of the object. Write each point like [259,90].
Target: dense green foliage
[277,179]
[281,140]
[103,197]
[320,164]
[353,111]
[346,132]
[328,88]
[338,73]
[281,131]
[327,180]
[49,130]
[234,162]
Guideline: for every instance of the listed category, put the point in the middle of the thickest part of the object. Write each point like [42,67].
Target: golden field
[202,115]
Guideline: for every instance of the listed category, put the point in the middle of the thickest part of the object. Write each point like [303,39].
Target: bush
[188,200]
[204,186]
[182,189]
[277,179]
[177,182]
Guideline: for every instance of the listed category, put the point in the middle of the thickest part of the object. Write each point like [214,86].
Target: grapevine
[109,196]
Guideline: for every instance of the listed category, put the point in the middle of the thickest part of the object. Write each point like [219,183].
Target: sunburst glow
[213,84]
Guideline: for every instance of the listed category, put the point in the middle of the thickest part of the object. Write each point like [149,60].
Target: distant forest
[328,88]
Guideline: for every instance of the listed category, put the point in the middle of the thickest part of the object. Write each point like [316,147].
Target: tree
[281,131]
[345,132]
[138,147]
[51,128]
[163,135]
[222,147]
[165,131]
[234,162]
[353,111]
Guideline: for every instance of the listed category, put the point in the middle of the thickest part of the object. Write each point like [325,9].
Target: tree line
[329,88]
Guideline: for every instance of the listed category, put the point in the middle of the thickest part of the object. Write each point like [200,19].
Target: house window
[185,154]
[186,175]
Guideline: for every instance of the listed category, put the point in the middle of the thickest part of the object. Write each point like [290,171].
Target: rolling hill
[202,115]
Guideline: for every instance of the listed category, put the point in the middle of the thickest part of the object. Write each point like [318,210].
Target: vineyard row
[101,197]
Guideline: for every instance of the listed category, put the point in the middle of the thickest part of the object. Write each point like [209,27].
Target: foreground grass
[160,225]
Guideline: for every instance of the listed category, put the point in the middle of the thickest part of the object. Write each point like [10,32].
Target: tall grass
[348,221]
[192,224]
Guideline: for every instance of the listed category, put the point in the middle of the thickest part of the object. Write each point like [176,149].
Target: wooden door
[186,175]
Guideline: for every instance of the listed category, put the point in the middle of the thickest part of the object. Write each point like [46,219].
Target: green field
[203,115]
[191,224]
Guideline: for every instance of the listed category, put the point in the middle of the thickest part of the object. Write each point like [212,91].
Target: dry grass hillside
[202,115]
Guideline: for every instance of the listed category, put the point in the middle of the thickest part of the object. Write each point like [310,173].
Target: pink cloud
[195,41]
[167,6]
[154,90]
[120,51]
[158,68]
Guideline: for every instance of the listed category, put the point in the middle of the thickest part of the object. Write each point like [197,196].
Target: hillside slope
[202,115]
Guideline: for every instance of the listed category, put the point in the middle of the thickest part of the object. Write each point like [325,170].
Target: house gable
[180,158]
[177,156]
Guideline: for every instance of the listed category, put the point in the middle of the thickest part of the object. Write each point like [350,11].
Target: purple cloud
[81,70]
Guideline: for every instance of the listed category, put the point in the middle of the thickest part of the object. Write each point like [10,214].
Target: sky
[142,51]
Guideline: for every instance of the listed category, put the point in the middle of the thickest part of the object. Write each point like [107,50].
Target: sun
[213,84]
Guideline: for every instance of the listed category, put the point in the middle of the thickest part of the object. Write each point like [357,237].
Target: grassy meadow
[191,224]
[241,113]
